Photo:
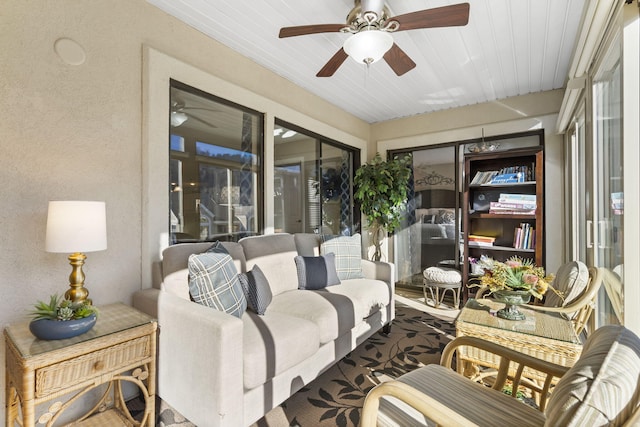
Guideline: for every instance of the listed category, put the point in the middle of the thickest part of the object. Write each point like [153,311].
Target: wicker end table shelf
[542,335]
[120,348]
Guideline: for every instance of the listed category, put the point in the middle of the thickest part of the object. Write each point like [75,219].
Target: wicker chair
[579,285]
[602,388]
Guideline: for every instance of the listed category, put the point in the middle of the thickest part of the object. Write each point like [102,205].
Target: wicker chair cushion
[600,389]
[442,275]
[481,405]
[571,280]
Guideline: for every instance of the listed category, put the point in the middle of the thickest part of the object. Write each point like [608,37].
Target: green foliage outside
[381,188]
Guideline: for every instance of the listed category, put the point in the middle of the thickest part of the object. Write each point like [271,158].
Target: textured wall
[75,132]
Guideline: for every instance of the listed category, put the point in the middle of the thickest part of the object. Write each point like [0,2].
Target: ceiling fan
[180,114]
[370,26]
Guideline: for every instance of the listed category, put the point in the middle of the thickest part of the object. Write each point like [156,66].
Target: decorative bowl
[49,329]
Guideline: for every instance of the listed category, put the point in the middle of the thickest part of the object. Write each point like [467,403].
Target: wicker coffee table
[545,336]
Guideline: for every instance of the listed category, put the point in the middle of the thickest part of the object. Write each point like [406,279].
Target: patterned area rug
[336,397]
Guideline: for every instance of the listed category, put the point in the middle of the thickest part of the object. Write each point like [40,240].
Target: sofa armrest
[385,271]
[379,270]
[199,358]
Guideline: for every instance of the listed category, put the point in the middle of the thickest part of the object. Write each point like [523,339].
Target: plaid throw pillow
[213,281]
[348,251]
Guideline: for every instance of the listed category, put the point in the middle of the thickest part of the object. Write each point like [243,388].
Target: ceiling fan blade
[303,30]
[204,122]
[334,63]
[398,60]
[446,16]
[198,108]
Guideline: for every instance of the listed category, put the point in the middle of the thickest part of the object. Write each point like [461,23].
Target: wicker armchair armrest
[508,357]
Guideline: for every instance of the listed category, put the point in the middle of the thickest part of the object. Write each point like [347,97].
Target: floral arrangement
[515,274]
[62,309]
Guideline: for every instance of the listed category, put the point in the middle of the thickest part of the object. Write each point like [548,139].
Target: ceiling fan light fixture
[178,118]
[368,46]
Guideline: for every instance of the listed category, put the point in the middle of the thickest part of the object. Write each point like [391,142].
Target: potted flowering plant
[514,282]
[61,318]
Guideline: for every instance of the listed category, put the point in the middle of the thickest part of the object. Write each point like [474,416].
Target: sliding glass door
[596,160]
[608,201]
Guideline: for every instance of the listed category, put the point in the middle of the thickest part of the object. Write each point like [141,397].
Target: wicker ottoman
[440,278]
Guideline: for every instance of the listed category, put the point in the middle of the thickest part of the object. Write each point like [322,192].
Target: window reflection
[313,188]
[215,177]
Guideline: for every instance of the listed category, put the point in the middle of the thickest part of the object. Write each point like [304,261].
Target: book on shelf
[483,177]
[478,237]
[524,236]
[517,198]
[508,178]
[478,243]
[506,175]
[512,208]
[479,240]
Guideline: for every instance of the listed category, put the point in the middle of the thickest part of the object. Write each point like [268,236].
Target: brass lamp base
[78,293]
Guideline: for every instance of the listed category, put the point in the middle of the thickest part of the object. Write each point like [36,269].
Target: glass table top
[112,318]
[482,312]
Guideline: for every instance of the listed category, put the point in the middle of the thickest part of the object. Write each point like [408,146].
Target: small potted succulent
[61,318]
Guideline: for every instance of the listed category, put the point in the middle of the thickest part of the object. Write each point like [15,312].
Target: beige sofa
[220,370]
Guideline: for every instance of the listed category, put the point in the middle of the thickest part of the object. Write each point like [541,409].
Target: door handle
[602,234]
[589,234]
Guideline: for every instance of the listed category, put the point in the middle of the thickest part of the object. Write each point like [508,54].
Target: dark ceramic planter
[512,300]
[48,329]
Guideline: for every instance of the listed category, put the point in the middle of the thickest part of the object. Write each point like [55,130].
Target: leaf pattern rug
[336,397]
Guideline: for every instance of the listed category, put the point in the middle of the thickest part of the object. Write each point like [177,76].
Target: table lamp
[75,227]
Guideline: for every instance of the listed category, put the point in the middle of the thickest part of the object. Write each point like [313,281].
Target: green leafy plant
[62,309]
[381,188]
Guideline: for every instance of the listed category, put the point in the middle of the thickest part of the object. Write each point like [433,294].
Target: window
[313,188]
[215,167]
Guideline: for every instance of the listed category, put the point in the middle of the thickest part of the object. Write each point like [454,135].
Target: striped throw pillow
[257,290]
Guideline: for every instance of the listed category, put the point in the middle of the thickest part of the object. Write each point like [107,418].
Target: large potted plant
[381,188]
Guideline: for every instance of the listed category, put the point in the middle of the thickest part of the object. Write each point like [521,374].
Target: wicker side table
[542,335]
[120,348]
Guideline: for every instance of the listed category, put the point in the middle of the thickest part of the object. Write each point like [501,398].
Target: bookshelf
[503,205]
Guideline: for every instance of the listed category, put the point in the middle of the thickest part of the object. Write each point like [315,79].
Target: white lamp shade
[76,226]
[368,46]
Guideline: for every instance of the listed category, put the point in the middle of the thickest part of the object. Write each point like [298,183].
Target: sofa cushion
[571,280]
[274,254]
[336,309]
[368,296]
[334,315]
[348,250]
[274,343]
[213,282]
[256,289]
[599,389]
[316,272]
[308,244]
